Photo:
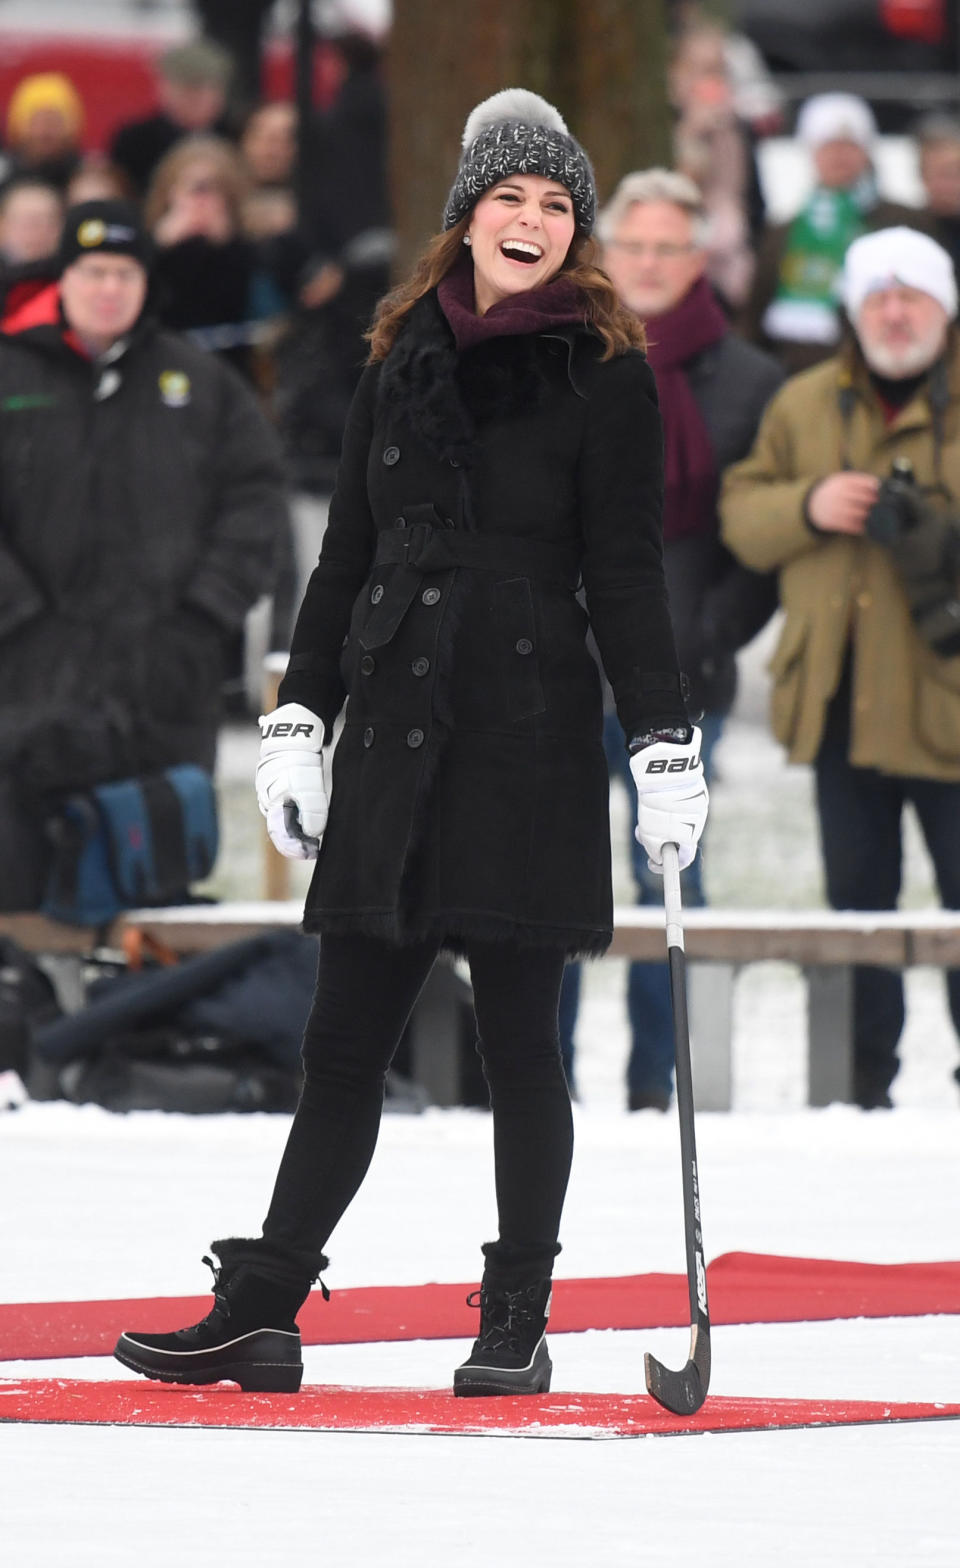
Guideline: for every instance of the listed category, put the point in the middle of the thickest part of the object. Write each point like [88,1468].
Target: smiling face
[520,232]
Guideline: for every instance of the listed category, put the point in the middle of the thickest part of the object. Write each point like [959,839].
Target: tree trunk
[601,62]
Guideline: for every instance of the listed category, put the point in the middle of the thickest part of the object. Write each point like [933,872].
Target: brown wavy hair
[619,328]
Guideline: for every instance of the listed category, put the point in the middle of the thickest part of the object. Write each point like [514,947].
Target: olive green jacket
[839,589]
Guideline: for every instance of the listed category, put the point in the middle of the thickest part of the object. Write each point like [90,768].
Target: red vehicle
[852,35]
[113,71]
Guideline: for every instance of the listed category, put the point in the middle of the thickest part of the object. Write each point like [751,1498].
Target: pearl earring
[466,239]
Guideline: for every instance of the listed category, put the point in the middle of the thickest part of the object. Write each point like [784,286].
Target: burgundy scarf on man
[691,476]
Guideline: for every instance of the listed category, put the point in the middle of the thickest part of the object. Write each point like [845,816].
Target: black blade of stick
[683,1392]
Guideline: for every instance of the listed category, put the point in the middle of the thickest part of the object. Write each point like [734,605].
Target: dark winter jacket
[470,791]
[203,289]
[718,605]
[141,498]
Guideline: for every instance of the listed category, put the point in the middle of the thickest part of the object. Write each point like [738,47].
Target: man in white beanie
[852,492]
[793,308]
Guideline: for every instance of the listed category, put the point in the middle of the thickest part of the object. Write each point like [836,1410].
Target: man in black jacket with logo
[141,500]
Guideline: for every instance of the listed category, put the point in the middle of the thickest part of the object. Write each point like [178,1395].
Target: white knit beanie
[887,257]
[836,117]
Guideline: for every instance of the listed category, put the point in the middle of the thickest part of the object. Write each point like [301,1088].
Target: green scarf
[804,307]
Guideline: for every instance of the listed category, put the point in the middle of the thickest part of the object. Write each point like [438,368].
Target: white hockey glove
[672,798]
[290,787]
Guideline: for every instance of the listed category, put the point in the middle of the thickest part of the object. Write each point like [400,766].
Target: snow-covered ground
[101,1206]
[96,1206]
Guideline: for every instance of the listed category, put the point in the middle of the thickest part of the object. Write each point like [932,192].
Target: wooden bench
[824,943]
[719,942]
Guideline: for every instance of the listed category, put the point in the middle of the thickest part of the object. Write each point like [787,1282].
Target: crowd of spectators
[281,286]
[285,294]
[238,266]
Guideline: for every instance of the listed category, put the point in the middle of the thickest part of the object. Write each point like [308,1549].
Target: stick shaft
[693,1236]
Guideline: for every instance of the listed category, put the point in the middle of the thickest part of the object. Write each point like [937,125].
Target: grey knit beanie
[518,132]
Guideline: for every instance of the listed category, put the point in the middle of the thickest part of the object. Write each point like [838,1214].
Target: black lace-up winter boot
[509,1355]
[250,1335]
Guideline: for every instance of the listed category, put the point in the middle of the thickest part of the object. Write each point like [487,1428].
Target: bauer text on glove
[291,791]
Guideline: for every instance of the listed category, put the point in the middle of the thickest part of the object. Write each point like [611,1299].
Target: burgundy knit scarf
[557,304]
[691,476]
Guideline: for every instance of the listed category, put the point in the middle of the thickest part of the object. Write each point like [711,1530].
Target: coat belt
[422,549]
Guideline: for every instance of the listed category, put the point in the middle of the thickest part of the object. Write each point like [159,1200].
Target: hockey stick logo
[701,1283]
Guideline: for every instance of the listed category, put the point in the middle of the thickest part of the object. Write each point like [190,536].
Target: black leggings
[366,989]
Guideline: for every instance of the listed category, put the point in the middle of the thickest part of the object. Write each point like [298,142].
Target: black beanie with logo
[112,226]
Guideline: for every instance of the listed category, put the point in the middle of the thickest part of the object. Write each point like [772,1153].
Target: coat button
[367,664]
[430,595]
[376,593]
[399,522]
[454,462]
[524,645]
[414,739]
[391,455]
[368,736]
[420,666]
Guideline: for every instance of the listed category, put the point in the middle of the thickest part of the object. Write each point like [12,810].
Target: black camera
[924,544]
[899,506]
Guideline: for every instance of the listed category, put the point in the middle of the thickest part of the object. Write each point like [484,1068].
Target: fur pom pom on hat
[518,132]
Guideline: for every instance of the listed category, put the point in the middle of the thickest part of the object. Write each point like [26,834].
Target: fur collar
[449,396]
[419,380]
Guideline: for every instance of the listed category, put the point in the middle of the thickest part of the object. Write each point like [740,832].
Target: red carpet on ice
[428,1411]
[744,1288]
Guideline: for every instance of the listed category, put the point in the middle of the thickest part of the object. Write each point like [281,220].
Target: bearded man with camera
[852,493]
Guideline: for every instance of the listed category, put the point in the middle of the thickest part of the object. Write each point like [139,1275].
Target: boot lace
[505,1315]
[217,1312]
[219,1295]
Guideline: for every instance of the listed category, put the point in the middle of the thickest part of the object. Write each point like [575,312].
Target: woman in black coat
[504,444]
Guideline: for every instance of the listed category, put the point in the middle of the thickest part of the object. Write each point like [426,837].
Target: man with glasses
[713,388]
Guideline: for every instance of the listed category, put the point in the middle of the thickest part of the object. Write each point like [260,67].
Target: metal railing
[925,89]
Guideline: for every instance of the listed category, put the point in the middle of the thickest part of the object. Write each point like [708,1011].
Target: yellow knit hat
[46,90]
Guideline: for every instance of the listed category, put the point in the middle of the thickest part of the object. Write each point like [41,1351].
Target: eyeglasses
[660,252]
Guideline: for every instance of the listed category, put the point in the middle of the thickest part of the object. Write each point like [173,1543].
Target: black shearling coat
[469,789]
